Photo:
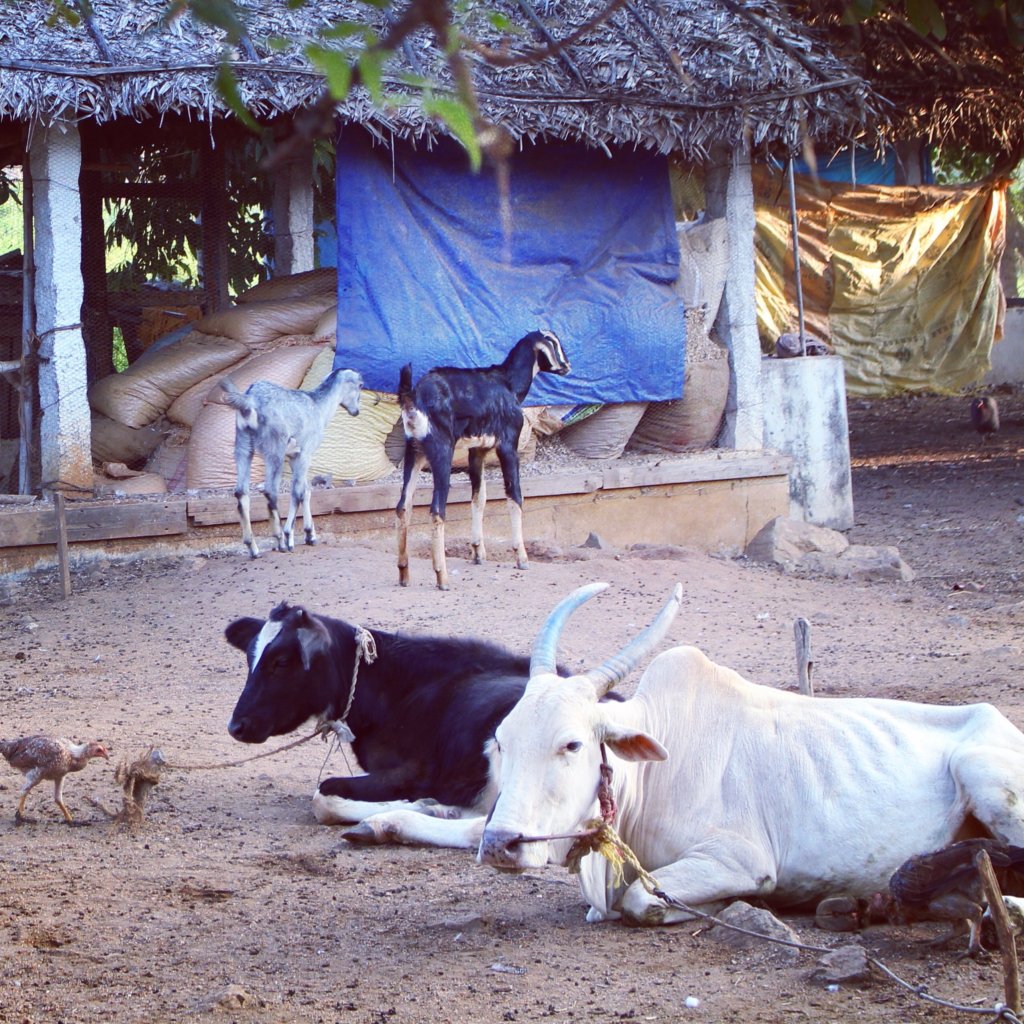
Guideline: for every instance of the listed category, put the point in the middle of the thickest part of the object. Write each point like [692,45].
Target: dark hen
[946,886]
[39,758]
[985,415]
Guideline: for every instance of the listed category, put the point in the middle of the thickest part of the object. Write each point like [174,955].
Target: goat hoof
[254,553]
[310,541]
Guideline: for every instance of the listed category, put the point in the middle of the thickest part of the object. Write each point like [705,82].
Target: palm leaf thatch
[672,75]
[966,91]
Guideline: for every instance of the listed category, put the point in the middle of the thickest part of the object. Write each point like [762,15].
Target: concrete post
[729,191]
[55,160]
[293,216]
[805,403]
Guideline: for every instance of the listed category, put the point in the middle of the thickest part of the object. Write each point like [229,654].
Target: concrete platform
[712,501]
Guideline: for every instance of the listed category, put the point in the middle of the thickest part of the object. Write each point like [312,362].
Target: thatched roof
[966,91]
[676,75]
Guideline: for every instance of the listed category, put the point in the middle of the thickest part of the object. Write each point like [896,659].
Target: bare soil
[231,902]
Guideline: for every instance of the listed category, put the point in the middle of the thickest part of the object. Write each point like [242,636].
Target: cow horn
[617,667]
[543,658]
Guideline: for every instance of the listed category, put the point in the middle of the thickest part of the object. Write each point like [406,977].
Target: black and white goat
[284,423]
[484,407]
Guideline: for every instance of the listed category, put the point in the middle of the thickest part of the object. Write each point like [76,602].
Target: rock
[847,963]
[594,541]
[662,552]
[234,997]
[786,541]
[860,562]
[753,919]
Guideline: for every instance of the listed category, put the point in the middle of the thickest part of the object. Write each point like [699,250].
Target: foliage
[929,17]
[161,238]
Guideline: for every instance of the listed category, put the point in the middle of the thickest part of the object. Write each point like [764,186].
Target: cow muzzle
[505,851]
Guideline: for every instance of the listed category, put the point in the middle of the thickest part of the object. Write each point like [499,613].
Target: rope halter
[366,650]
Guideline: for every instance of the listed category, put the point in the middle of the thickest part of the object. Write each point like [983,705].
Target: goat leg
[515,514]
[437,552]
[479,503]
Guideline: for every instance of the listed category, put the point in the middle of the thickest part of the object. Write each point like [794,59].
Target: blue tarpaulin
[426,275]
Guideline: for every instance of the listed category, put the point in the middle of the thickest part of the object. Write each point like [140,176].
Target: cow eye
[573,745]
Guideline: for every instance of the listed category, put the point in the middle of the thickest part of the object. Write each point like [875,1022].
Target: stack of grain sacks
[166,404]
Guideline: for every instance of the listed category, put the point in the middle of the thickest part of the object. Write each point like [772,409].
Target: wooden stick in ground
[62,544]
[1004,930]
[804,663]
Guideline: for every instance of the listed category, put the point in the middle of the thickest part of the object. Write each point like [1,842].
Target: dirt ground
[231,902]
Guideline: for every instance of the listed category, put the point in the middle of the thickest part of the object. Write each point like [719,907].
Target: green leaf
[347,29]
[371,64]
[222,14]
[501,22]
[926,18]
[278,43]
[227,86]
[335,67]
[456,116]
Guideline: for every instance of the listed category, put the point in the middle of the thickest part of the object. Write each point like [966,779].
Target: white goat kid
[282,423]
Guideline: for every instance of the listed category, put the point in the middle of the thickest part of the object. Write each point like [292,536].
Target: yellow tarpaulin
[903,282]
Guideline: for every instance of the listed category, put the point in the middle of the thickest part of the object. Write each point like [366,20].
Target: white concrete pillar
[55,159]
[293,216]
[729,191]
[805,417]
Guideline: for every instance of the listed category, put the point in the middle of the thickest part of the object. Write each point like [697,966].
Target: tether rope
[601,837]
[366,650]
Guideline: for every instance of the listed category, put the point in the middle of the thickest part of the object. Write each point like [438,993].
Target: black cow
[421,713]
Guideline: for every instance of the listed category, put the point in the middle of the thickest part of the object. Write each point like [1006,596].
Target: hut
[707,87]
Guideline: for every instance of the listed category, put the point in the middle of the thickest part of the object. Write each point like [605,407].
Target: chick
[40,757]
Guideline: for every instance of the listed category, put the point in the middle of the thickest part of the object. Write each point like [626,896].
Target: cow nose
[500,849]
[237,727]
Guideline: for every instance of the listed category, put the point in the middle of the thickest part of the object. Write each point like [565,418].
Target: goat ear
[241,632]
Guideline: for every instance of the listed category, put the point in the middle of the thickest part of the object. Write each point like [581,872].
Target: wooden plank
[695,469]
[61,522]
[94,521]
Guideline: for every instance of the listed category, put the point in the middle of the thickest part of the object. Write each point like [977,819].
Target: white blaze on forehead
[263,640]
[415,424]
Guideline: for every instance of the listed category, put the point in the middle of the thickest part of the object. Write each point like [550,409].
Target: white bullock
[727,789]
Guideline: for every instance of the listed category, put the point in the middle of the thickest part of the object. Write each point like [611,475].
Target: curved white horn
[617,667]
[542,660]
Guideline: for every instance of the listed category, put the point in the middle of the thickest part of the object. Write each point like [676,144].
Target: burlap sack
[604,434]
[353,446]
[327,326]
[114,442]
[259,324]
[186,407]
[170,460]
[211,448]
[144,391]
[694,420]
[141,483]
[324,280]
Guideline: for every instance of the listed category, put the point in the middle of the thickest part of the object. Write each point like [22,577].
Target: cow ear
[313,637]
[635,746]
[240,633]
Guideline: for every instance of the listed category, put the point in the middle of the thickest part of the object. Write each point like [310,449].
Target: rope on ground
[320,730]
[602,837]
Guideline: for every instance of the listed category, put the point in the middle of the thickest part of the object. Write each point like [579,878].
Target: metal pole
[28,365]
[796,258]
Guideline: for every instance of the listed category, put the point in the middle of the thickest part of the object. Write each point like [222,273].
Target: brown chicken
[946,886]
[39,758]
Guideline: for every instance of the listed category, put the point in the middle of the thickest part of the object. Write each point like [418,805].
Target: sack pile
[164,414]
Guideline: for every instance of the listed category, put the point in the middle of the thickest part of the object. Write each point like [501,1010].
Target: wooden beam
[95,521]
[213,170]
[61,523]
